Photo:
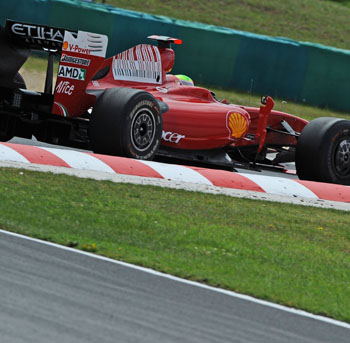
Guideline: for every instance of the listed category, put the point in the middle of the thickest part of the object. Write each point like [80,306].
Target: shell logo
[237,124]
[65,45]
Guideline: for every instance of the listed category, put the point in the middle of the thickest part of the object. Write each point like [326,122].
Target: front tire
[126,122]
[323,151]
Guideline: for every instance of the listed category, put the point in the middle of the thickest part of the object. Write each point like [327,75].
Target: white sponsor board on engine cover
[141,63]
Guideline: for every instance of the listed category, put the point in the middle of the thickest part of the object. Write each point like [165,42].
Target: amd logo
[172,137]
[72,73]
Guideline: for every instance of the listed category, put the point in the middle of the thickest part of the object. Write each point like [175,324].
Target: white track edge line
[189,282]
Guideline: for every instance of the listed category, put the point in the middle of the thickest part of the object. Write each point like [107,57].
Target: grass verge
[318,21]
[294,255]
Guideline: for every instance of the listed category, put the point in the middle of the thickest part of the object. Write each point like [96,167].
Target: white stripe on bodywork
[8,154]
[80,160]
[177,173]
[280,186]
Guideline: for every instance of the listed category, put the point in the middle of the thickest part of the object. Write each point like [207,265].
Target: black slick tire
[126,122]
[323,151]
[18,83]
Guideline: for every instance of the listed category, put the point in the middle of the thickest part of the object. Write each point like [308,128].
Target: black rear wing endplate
[34,36]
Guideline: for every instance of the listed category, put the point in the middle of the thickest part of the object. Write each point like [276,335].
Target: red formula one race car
[129,105]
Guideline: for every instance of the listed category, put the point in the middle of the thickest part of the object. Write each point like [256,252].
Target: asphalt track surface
[52,294]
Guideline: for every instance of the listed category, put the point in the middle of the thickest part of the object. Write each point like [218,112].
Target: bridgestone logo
[72,73]
[141,104]
[75,60]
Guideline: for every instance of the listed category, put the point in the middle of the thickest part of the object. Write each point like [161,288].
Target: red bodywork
[199,119]
[195,119]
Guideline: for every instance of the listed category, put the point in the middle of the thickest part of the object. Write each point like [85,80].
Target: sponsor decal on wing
[75,60]
[38,35]
[141,63]
[86,43]
[72,73]
[65,87]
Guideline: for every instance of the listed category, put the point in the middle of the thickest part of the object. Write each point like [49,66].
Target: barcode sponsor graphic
[144,74]
[141,63]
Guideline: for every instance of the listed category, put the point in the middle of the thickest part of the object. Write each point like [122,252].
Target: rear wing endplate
[82,56]
[36,37]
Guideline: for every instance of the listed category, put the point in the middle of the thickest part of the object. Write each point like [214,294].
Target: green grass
[318,21]
[293,255]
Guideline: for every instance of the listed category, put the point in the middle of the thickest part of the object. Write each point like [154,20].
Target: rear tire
[323,151]
[18,83]
[126,122]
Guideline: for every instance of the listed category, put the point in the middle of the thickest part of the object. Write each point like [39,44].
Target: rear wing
[81,55]
[18,39]
[36,37]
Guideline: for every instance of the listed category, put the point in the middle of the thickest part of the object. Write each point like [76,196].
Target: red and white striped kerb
[10,152]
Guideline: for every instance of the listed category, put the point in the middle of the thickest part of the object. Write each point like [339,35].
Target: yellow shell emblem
[237,125]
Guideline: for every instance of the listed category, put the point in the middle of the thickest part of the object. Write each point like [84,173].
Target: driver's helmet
[185,80]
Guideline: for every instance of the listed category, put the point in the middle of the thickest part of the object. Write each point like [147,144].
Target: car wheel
[323,151]
[18,83]
[126,122]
